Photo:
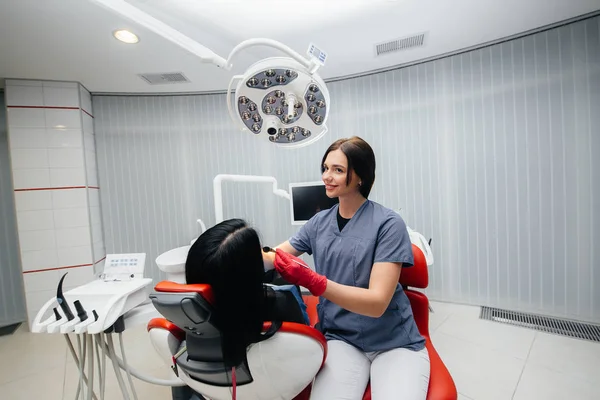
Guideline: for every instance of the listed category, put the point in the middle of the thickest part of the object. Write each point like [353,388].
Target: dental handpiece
[62,302]
[81,313]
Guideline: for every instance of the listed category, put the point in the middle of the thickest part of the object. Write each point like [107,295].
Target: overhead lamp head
[280,99]
[283,99]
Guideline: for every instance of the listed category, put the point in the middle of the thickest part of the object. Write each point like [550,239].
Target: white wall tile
[71,218]
[97,232]
[33,200]
[99,267]
[100,257]
[62,177]
[73,237]
[64,138]
[88,124]
[61,97]
[65,158]
[90,160]
[60,84]
[26,118]
[22,82]
[78,277]
[24,96]
[69,198]
[92,177]
[38,281]
[31,178]
[29,158]
[33,260]
[65,119]
[35,220]
[89,142]
[94,196]
[95,216]
[37,240]
[86,100]
[28,138]
[99,250]
[77,255]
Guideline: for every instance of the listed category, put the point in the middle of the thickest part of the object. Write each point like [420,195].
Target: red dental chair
[441,384]
[280,367]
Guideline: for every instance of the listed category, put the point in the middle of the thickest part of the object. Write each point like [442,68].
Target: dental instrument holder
[119,289]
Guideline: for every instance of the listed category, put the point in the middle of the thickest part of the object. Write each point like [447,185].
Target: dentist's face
[335,171]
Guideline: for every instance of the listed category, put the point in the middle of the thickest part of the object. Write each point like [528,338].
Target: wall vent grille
[400,44]
[164,78]
[574,329]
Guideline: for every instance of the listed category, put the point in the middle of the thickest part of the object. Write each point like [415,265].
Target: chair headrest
[202,289]
[416,276]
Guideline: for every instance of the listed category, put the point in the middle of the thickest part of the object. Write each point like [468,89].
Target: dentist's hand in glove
[295,271]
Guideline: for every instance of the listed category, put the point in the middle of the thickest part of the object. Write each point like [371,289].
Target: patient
[228,257]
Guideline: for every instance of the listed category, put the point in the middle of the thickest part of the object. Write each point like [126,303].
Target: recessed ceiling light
[125,36]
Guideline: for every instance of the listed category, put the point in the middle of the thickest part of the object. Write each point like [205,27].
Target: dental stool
[280,367]
[441,384]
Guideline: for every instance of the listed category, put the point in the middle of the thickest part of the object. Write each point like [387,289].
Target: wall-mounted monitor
[307,199]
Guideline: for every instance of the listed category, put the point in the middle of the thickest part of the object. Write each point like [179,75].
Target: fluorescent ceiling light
[125,36]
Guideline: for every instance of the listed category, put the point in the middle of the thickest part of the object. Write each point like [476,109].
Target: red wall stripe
[57,188]
[53,108]
[49,107]
[58,268]
[100,260]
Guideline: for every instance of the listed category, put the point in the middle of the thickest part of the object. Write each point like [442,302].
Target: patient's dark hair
[228,257]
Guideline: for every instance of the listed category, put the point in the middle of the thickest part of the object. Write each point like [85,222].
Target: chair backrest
[190,307]
[416,276]
[278,367]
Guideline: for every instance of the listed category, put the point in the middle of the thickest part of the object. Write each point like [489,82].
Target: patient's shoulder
[282,306]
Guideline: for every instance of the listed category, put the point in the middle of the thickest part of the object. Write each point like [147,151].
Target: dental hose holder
[97,305]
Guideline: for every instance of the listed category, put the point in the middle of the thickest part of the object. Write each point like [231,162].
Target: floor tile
[574,357]
[47,385]
[512,340]
[540,382]
[479,372]
[30,353]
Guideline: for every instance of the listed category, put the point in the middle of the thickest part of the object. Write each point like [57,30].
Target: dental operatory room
[299,200]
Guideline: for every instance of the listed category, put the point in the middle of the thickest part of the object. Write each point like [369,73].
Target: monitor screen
[307,199]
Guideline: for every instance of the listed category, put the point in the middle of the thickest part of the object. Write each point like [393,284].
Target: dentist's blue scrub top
[374,234]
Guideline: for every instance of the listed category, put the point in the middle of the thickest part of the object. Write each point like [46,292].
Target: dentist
[359,248]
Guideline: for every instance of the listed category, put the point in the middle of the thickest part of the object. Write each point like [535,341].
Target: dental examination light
[280,98]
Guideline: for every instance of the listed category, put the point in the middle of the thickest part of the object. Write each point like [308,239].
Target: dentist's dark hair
[361,160]
[228,257]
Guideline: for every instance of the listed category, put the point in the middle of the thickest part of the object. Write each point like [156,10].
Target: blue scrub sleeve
[301,240]
[393,242]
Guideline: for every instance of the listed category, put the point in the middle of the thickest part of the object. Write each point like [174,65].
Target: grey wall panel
[12,300]
[490,152]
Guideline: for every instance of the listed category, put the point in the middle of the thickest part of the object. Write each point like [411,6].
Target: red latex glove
[295,271]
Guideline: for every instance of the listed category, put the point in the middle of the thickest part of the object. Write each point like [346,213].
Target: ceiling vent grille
[400,44]
[164,78]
